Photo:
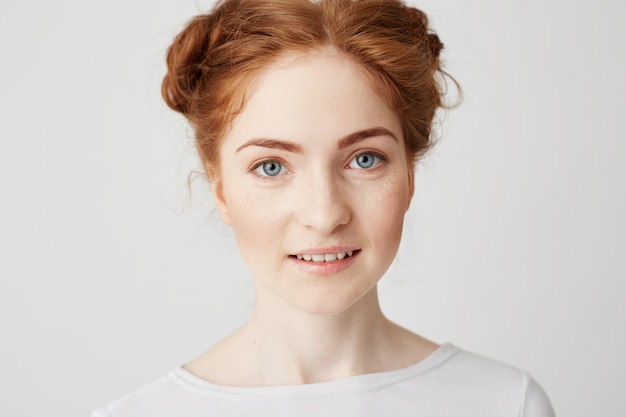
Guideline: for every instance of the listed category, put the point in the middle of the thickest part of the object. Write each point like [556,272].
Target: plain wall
[112,273]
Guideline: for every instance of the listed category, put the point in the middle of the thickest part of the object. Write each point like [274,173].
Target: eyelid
[381,156]
[259,163]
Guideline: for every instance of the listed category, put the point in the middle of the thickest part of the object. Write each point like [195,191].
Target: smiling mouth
[325,257]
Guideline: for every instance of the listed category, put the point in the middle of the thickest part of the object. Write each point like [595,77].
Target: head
[309,117]
[215,59]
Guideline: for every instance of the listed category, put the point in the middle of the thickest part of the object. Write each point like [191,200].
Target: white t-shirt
[448,383]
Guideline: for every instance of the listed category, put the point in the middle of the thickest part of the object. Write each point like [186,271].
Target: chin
[334,303]
[324,309]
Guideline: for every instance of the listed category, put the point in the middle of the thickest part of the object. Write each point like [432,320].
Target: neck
[284,345]
[306,348]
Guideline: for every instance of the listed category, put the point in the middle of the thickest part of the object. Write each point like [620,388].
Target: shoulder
[475,379]
[159,398]
[536,402]
[450,382]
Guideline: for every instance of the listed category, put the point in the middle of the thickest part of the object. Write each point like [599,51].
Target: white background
[113,273]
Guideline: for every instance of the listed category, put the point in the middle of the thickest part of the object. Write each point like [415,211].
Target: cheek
[386,215]
[258,228]
[393,195]
[243,213]
[255,219]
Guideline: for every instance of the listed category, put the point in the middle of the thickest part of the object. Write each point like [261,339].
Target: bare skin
[315,165]
[288,349]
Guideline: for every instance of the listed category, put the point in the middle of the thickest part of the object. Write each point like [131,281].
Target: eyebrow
[344,142]
[361,135]
[272,143]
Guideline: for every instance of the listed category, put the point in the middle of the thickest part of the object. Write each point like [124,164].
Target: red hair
[214,58]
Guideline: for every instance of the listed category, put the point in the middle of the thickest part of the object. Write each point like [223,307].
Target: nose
[323,203]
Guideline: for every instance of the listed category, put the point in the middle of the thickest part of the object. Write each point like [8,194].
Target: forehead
[310,96]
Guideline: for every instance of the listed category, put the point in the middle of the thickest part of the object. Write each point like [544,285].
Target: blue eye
[269,168]
[365,160]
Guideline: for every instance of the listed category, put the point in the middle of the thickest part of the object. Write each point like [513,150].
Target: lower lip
[325,268]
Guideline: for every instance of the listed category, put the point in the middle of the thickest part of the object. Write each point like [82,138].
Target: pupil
[365,160]
[271,168]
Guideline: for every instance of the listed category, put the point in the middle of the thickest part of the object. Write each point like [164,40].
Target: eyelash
[381,159]
[255,168]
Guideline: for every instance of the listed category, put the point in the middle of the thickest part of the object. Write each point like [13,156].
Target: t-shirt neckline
[354,384]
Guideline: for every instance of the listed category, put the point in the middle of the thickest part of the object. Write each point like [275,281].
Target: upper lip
[321,251]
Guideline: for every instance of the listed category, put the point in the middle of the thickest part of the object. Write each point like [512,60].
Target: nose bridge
[324,201]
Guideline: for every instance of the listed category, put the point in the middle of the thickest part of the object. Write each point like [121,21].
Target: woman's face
[315,182]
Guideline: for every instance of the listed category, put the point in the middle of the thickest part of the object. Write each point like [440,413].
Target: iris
[365,160]
[271,168]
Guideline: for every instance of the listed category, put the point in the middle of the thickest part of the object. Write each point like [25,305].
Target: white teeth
[325,257]
[330,257]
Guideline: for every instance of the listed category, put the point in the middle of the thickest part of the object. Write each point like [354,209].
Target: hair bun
[186,61]
[434,44]
[421,32]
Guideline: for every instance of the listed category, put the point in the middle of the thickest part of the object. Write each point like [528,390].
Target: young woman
[309,118]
